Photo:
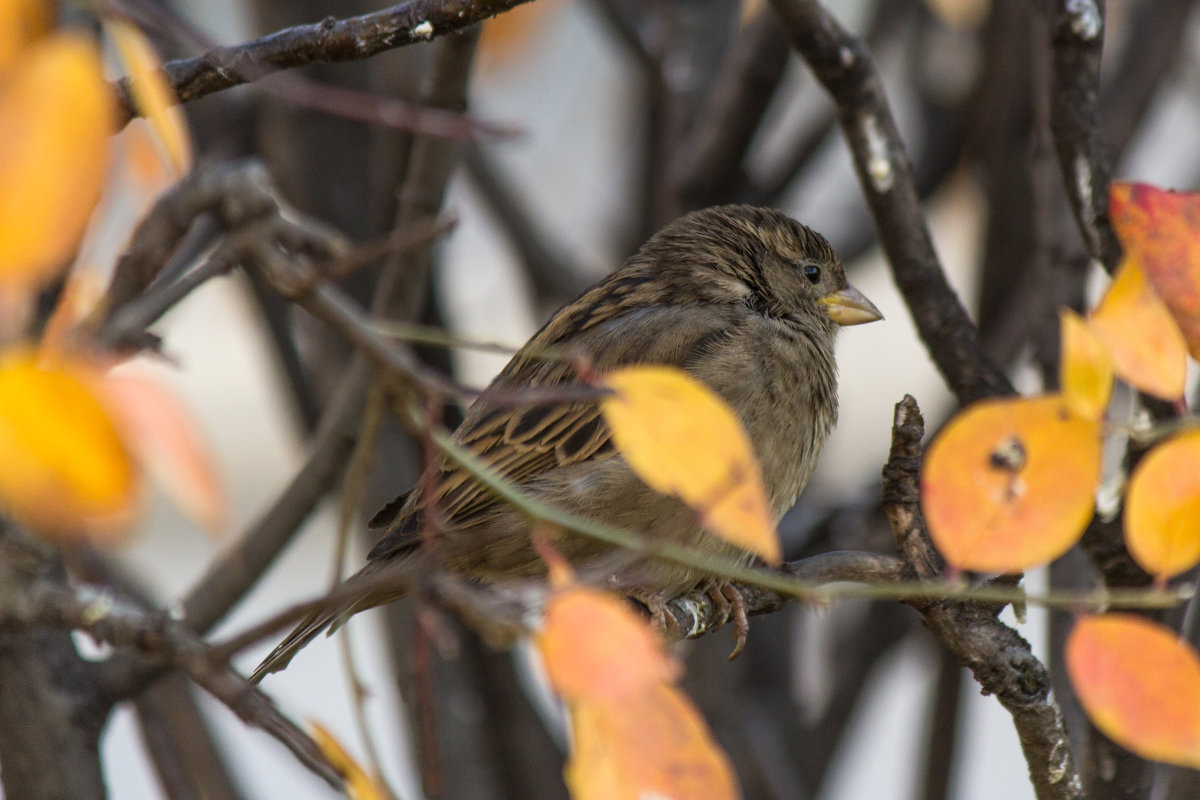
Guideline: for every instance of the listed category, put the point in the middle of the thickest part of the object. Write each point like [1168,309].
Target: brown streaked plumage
[745,299]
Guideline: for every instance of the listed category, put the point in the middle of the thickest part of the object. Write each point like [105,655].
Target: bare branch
[1000,659]
[1078,39]
[43,604]
[331,40]
[843,65]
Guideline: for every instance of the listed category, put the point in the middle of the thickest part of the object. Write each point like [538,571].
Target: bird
[744,299]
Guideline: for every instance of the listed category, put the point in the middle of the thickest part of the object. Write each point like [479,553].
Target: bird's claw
[661,618]
[730,606]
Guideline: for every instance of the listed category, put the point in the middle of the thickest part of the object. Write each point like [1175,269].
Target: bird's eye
[812,273]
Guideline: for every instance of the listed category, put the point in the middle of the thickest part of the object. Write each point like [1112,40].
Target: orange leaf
[141,158]
[1011,483]
[80,294]
[595,647]
[1162,509]
[1145,344]
[157,426]
[682,440]
[1087,374]
[509,36]
[1163,229]
[56,114]
[21,22]
[653,745]
[64,471]
[154,97]
[359,785]
[1140,685]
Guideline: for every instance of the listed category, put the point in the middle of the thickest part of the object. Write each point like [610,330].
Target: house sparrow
[745,299]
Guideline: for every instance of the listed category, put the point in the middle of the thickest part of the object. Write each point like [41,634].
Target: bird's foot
[730,606]
[661,618]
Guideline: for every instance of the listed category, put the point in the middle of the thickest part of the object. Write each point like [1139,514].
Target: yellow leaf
[682,440]
[1010,483]
[153,96]
[64,471]
[1162,509]
[56,114]
[21,22]
[1145,344]
[1086,371]
[654,745]
[164,435]
[1140,683]
[595,647]
[359,785]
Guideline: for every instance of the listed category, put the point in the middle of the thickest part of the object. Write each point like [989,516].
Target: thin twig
[709,161]
[329,41]
[552,276]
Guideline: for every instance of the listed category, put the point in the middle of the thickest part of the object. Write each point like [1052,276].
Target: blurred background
[631,112]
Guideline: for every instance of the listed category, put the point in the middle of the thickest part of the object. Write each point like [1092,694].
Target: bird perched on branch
[745,299]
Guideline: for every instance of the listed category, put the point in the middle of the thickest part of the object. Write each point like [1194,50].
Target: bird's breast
[782,384]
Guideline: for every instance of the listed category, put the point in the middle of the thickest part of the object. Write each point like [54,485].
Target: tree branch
[1000,659]
[44,604]
[844,67]
[331,40]
[1078,39]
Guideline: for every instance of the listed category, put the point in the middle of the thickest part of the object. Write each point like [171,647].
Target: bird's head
[762,257]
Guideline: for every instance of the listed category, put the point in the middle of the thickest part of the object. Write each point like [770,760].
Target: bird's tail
[332,618]
[305,632]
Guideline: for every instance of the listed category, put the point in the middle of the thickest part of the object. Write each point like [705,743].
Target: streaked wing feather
[526,442]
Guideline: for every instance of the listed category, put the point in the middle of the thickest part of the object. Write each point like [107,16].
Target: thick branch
[50,720]
[46,605]
[1000,659]
[844,67]
[1078,39]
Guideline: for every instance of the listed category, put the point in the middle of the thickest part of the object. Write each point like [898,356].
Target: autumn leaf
[359,785]
[654,745]
[21,22]
[79,295]
[1086,371]
[141,158]
[595,647]
[64,470]
[682,440]
[961,14]
[168,446]
[1163,229]
[1140,684]
[1010,483]
[507,37]
[154,97]
[1162,507]
[635,735]
[56,114]
[1145,344]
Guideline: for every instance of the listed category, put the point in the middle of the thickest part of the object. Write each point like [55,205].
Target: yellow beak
[850,307]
